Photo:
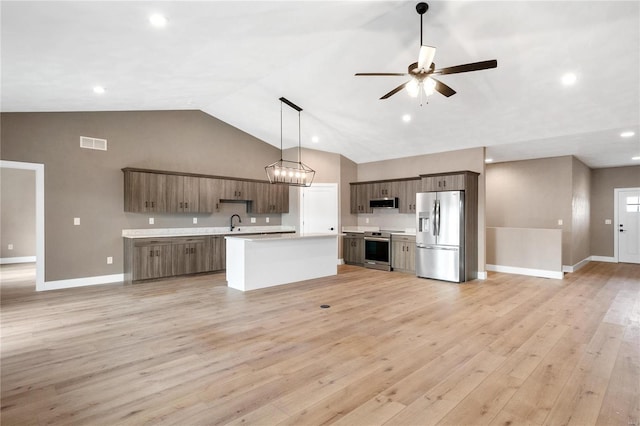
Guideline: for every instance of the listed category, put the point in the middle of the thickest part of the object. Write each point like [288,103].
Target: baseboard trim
[577,266]
[558,275]
[83,282]
[609,259]
[19,259]
[482,275]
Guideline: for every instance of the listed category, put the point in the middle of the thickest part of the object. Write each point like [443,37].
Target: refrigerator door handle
[437,220]
[434,220]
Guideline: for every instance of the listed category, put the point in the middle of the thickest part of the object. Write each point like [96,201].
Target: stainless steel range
[377,250]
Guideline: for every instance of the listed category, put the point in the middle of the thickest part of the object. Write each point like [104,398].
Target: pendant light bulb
[429,86]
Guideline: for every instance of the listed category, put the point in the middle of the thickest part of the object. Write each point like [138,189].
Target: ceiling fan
[422,72]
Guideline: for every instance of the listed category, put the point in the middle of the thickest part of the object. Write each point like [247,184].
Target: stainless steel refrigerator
[440,235]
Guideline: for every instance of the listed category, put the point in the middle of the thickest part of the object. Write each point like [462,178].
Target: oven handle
[384,240]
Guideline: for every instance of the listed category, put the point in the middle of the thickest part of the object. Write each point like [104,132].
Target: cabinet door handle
[146,204]
[153,204]
[151,253]
[181,204]
[186,250]
[186,205]
[193,250]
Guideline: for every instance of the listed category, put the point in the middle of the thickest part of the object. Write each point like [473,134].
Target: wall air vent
[93,143]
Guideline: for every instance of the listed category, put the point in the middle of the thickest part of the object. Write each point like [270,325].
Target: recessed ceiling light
[488,160]
[627,134]
[315,139]
[635,158]
[158,20]
[406,118]
[569,78]
[98,89]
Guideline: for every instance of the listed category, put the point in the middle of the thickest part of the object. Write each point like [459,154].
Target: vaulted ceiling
[233,60]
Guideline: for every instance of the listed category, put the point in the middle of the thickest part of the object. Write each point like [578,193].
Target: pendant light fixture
[294,173]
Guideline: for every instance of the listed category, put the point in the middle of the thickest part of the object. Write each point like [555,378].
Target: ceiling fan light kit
[292,173]
[422,72]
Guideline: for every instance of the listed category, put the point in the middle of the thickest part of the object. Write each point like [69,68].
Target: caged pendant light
[294,173]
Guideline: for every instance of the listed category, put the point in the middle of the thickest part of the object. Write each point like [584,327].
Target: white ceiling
[233,60]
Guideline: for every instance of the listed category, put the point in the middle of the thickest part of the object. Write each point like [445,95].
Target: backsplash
[388,219]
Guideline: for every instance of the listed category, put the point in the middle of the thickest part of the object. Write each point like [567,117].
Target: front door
[629,226]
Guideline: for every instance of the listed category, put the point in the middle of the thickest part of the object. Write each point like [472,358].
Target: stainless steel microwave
[384,203]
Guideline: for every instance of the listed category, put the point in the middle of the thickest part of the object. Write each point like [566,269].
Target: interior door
[629,226]
[319,209]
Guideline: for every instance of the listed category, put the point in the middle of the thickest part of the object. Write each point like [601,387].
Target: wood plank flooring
[391,350]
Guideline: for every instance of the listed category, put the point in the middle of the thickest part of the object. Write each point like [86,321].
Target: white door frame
[301,203]
[616,199]
[39,169]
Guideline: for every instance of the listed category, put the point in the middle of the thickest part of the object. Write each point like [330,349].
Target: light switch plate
[559,221]
[253,220]
[9,246]
[607,221]
[195,220]
[366,220]
[109,260]
[76,221]
[151,221]
[267,220]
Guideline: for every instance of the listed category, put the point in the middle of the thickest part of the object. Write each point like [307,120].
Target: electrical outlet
[267,220]
[109,260]
[151,221]
[76,221]
[559,221]
[607,221]
[253,220]
[195,220]
[9,246]
[366,220]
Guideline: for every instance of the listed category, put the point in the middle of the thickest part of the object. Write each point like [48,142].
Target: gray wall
[580,211]
[17,212]
[89,184]
[532,194]
[603,183]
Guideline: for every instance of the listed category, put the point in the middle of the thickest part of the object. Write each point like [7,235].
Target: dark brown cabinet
[353,248]
[211,191]
[150,259]
[183,193]
[238,190]
[407,197]
[270,198]
[144,192]
[190,255]
[360,196]
[403,253]
[443,182]
[218,251]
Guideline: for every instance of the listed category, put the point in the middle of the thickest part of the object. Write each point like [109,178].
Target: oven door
[376,251]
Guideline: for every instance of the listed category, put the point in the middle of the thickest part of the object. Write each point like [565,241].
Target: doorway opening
[39,214]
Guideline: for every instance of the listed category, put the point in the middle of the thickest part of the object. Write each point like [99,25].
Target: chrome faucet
[239,221]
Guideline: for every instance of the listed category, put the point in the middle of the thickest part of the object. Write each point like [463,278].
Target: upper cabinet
[454,181]
[270,198]
[407,197]
[144,192]
[171,192]
[183,193]
[360,196]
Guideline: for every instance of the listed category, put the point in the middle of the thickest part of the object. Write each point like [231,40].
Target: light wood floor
[392,349]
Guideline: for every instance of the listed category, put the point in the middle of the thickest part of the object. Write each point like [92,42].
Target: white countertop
[202,231]
[279,237]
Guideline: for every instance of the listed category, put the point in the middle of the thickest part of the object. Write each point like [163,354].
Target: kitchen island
[262,261]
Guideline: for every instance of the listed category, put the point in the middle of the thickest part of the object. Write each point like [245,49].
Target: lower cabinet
[403,253]
[152,258]
[353,249]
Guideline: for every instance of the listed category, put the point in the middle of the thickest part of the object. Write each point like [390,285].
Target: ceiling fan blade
[425,58]
[443,88]
[394,91]
[379,73]
[475,66]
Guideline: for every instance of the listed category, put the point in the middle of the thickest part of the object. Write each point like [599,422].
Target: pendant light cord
[299,137]
[280,130]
